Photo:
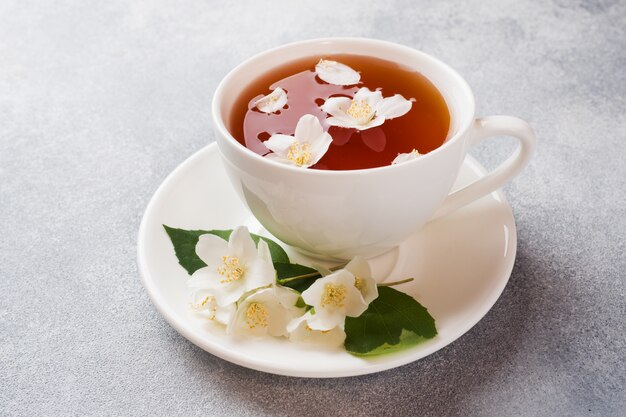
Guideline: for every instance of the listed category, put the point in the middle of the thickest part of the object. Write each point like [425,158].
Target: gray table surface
[99,101]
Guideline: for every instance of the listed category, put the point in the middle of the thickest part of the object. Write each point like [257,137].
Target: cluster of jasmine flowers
[366,110]
[238,289]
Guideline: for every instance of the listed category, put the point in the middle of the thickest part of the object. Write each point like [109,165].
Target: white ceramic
[460,262]
[340,214]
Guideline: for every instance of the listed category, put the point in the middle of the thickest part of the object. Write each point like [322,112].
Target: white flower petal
[308,129]
[287,296]
[210,249]
[202,301]
[336,73]
[363,280]
[295,323]
[359,267]
[392,107]
[319,147]
[272,102]
[225,314]
[366,110]
[259,273]
[263,251]
[287,299]
[354,304]
[241,245]
[205,277]
[369,290]
[375,122]
[204,304]
[334,297]
[337,106]
[242,267]
[300,331]
[406,157]
[313,294]
[345,122]
[263,313]
[358,113]
[306,148]
[229,293]
[278,158]
[279,144]
[277,326]
[252,316]
[325,320]
[372,98]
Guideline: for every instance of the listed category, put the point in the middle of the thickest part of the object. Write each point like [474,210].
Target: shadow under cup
[341,214]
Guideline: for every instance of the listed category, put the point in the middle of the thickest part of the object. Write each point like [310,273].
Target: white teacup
[340,214]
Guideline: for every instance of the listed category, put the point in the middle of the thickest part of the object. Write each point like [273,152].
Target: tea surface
[424,128]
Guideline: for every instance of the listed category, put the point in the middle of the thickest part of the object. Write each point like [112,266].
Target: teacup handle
[482,129]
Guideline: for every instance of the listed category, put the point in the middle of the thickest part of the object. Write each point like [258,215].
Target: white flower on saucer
[204,305]
[334,297]
[336,73]
[363,280]
[233,267]
[272,102]
[305,148]
[406,157]
[266,311]
[300,331]
[366,110]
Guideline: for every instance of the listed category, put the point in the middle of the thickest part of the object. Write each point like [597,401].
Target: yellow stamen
[358,282]
[299,153]
[321,331]
[230,269]
[334,295]
[416,152]
[204,302]
[361,111]
[256,315]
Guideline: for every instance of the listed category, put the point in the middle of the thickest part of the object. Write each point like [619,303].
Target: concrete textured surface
[99,101]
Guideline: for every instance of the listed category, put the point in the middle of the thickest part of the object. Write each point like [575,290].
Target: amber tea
[371,113]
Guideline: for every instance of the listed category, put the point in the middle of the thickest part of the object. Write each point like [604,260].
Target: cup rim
[451,73]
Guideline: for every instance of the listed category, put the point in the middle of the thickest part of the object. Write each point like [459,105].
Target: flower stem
[297,277]
[309,275]
[391,284]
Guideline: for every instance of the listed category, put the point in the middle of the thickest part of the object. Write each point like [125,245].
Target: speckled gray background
[100,100]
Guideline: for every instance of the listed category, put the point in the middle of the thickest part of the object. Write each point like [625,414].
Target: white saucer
[461,263]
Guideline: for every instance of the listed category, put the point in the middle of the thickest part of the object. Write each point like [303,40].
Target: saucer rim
[381,363]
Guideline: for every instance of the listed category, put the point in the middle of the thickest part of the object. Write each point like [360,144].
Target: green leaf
[408,339]
[387,324]
[300,303]
[287,270]
[185,241]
